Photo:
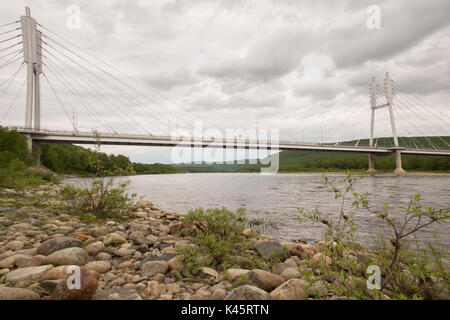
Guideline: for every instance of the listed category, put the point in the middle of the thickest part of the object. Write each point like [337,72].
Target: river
[276,198]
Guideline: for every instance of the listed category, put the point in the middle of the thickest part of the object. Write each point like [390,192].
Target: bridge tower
[389,104]
[32,53]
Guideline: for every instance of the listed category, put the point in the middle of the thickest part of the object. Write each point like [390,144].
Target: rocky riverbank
[137,258]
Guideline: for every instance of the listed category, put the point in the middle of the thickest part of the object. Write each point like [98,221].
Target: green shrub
[219,241]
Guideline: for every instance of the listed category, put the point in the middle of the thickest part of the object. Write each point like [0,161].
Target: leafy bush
[408,273]
[99,199]
[219,241]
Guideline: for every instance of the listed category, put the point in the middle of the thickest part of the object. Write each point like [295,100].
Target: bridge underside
[210,143]
[35,139]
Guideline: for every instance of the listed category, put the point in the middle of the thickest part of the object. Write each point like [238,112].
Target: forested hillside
[15,161]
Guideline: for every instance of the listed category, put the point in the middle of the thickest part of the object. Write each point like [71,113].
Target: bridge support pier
[371,169]
[36,154]
[34,148]
[398,163]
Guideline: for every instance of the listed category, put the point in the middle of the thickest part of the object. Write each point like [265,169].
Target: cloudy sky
[302,67]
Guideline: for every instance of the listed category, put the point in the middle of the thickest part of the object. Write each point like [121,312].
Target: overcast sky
[302,67]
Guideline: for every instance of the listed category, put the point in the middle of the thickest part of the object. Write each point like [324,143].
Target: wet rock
[7,293]
[23,277]
[69,256]
[290,290]
[57,244]
[248,292]
[264,279]
[271,250]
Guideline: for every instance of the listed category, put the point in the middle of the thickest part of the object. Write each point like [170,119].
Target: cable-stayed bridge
[107,100]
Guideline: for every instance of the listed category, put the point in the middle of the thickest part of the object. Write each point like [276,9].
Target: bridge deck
[165,141]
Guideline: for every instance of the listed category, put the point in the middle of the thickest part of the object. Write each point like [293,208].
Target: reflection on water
[278,197]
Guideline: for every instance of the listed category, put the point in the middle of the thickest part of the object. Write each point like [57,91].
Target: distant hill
[304,161]
[307,161]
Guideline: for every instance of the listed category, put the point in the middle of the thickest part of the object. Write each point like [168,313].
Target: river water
[276,198]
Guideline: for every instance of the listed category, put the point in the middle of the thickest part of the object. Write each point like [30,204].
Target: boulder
[173,287]
[290,273]
[15,245]
[7,293]
[104,256]
[233,274]
[174,264]
[114,239]
[219,294]
[23,277]
[57,244]
[137,237]
[27,261]
[278,268]
[117,294]
[209,272]
[324,246]
[165,256]
[175,229]
[264,279]
[292,289]
[69,256]
[55,273]
[94,248]
[10,261]
[201,294]
[87,286]
[99,266]
[271,250]
[151,268]
[307,249]
[248,292]
[320,258]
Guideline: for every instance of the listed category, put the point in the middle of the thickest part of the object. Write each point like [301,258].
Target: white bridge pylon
[390,105]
